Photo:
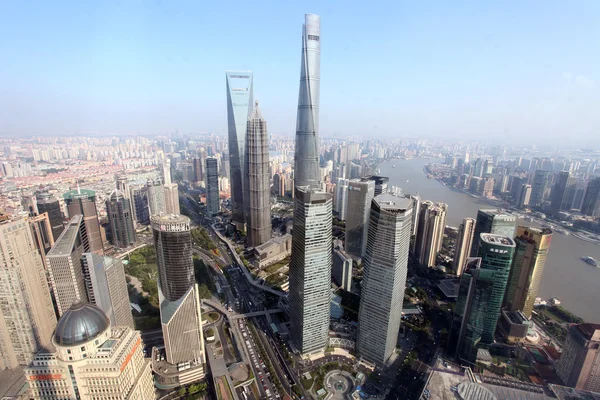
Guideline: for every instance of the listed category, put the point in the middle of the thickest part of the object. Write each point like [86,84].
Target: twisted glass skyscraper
[310,263]
[239,107]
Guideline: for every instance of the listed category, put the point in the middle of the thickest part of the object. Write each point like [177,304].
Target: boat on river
[590,260]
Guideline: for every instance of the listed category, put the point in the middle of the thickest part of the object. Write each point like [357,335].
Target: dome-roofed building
[81,323]
[90,357]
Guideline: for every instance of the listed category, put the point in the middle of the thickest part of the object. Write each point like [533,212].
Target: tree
[181,392]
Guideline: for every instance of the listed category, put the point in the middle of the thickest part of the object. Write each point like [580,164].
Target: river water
[566,277]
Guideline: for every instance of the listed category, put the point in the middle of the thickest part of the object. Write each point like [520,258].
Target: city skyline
[470,67]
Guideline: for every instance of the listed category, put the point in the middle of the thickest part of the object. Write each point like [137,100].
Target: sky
[508,71]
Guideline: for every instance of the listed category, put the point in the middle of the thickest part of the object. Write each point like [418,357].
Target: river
[566,277]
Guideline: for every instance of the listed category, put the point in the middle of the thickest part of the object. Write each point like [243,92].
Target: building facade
[178,293]
[310,270]
[481,292]
[360,195]
[531,251]
[212,186]
[27,317]
[67,280]
[591,199]
[139,204]
[83,202]
[90,359]
[172,198]
[120,220]
[384,277]
[107,288]
[431,232]
[258,197]
[239,107]
[466,232]
[341,198]
[539,188]
[492,221]
[579,364]
[47,203]
[156,198]
[341,272]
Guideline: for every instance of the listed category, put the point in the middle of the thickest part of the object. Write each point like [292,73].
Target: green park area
[201,238]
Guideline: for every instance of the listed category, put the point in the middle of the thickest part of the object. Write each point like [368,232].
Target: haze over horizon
[464,71]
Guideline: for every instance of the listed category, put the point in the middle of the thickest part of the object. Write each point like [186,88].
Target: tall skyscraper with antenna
[310,263]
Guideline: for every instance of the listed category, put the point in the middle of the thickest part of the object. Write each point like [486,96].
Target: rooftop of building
[276,241]
[391,202]
[81,323]
[495,212]
[379,179]
[170,219]
[516,317]
[79,194]
[588,330]
[449,288]
[65,242]
[498,240]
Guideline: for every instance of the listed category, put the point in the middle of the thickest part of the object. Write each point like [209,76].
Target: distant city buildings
[385,269]
[591,200]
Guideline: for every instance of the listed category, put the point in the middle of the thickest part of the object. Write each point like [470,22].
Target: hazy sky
[519,70]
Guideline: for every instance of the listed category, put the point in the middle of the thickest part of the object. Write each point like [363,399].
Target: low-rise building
[272,251]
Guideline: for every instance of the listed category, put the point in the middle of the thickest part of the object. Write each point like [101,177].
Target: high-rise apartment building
[431,232]
[341,198]
[579,363]
[481,292]
[562,192]
[493,221]
[384,277]
[165,171]
[156,198]
[466,232]
[212,186]
[171,198]
[47,203]
[341,271]
[198,170]
[90,359]
[139,204]
[41,231]
[360,194]
[83,202]
[64,265]
[120,220]
[178,294]
[239,107]
[257,196]
[523,196]
[591,200]
[26,314]
[531,251]
[107,288]
[310,263]
[416,200]
[539,188]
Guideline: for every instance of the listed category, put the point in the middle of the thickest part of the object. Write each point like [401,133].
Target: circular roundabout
[339,384]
